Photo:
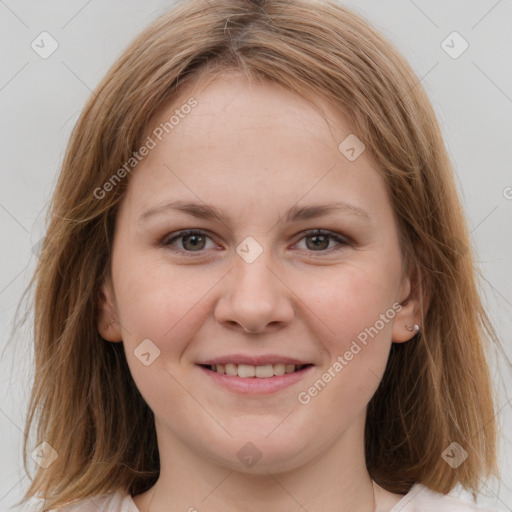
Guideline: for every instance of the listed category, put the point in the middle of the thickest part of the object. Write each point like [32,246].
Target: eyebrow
[294,214]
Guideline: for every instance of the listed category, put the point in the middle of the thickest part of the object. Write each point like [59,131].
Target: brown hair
[435,390]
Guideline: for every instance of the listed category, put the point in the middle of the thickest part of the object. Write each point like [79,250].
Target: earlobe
[108,325]
[404,331]
[408,321]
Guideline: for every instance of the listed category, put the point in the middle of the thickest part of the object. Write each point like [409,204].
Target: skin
[253,151]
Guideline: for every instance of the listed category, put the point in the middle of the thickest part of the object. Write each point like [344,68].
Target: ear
[411,302]
[108,324]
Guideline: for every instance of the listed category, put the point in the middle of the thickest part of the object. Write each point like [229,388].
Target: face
[276,285]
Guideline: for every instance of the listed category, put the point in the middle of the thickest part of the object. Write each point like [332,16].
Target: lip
[255,385]
[254,360]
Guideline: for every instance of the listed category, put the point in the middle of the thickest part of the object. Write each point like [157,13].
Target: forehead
[236,105]
[245,144]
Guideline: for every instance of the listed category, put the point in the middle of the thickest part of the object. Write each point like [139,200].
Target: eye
[195,241]
[321,239]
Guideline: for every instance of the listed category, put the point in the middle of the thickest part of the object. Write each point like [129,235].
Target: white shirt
[418,499]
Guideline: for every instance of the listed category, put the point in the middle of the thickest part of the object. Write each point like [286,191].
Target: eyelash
[166,242]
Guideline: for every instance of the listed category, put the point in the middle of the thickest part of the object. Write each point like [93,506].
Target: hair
[436,389]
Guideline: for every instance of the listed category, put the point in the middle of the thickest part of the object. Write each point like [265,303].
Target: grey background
[40,100]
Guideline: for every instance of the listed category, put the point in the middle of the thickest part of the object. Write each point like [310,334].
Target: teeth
[231,369]
[262,372]
[248,371]
[279,369]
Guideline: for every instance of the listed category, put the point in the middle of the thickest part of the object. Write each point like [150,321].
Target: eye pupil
[324,242]
[194,243]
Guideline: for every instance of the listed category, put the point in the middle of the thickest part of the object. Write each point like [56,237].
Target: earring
[108,325]
[415,328]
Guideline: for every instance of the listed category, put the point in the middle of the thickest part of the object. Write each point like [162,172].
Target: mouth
[255,376]
[248,371]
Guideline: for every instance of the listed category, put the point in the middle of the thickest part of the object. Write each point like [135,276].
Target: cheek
[348,299]
[355,309]
[155,296]
[165,306]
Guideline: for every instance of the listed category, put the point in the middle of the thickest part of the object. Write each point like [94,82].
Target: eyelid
[341,240]
[176,235]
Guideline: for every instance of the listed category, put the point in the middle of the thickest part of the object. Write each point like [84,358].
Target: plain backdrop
[41,98]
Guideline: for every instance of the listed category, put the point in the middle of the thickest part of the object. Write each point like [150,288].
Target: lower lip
[256,385]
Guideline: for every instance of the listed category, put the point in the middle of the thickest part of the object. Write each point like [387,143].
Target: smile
[246,379]
[247,371]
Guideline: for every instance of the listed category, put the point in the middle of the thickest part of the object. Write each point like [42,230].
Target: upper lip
[253,360]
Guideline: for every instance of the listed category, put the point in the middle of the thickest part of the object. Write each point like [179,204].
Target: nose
[255,297]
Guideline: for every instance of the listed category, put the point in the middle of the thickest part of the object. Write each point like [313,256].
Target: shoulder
[109,502]
[422,499]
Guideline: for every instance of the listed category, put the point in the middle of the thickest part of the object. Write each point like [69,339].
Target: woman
[256,289]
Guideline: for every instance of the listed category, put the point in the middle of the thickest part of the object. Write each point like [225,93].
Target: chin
[263,455]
